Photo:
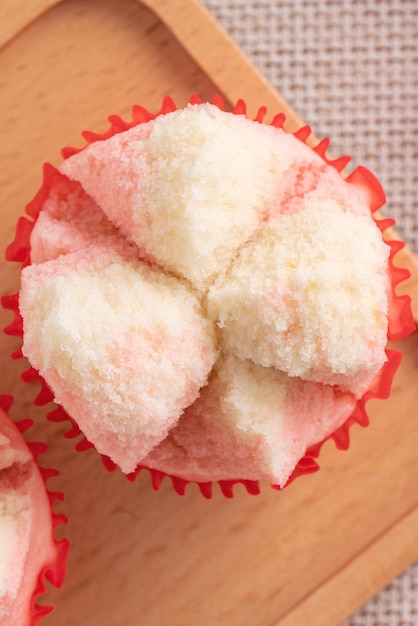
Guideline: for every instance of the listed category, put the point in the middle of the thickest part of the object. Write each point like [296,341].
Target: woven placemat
[350,69]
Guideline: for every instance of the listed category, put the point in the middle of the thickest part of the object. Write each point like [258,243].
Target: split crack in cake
[207,296]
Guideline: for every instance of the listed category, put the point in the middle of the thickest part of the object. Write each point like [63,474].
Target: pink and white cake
[28,549]
[207,296]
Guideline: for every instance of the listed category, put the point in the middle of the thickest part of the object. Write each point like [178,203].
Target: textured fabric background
[350,69]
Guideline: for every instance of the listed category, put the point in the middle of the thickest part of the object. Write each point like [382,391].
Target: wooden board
[311,554]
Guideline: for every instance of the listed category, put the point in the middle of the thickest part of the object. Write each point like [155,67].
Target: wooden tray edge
[378,568]
[199,34]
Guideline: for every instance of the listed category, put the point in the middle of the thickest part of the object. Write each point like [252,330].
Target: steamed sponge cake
[15,520]
[26,535]
[15,516]
[219,301]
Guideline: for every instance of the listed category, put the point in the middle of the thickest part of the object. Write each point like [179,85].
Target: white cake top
[310,284]
[192,186]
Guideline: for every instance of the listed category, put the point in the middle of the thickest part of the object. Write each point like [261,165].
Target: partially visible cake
[203,279]
[26,529]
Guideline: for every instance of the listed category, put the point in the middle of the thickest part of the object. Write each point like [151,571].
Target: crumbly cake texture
[125,347]
[27,546]
[250,421]
[207,296]
[303,282]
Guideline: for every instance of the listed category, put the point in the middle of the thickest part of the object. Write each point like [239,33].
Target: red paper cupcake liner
[54,572]
[400,317]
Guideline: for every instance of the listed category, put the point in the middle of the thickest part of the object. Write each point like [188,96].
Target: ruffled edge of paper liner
[53,572]
[401,322]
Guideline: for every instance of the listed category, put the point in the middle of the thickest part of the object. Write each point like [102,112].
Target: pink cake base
[400,317]
[380,389]
[46,558]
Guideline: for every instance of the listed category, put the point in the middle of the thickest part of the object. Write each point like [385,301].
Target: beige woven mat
[350,68]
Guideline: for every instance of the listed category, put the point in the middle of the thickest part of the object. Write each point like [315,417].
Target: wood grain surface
[308,555]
